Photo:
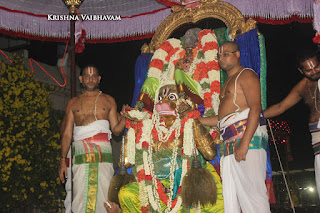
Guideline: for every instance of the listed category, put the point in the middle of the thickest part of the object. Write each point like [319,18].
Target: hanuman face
[167,100]
[166,107]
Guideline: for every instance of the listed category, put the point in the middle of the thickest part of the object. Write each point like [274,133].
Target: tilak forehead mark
[165,92]
[310,64]
[90,71]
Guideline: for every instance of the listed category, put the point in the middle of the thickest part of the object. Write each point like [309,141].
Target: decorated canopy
[120,20]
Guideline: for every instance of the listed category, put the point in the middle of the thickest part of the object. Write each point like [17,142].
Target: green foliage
[29,140]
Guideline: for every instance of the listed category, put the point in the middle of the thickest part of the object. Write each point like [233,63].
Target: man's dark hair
[307,54]
[81,71]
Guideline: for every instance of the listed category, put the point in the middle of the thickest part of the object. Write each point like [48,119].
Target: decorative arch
[223,11]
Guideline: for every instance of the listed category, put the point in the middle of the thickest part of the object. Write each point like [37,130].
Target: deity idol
[165,144]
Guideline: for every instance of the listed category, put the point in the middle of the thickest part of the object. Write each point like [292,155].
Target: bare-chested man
[89,119]
[244,134]
[308,90]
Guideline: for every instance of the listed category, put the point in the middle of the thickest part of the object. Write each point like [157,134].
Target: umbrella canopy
[123,20]
[127,18]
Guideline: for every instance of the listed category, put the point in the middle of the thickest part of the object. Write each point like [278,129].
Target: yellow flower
[43,184]
[32,189]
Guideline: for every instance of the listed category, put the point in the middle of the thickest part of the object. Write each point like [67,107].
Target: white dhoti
[92,167]
[243,182]
[67,200]
[315,133]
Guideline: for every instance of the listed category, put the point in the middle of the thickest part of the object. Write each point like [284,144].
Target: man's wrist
[63,158]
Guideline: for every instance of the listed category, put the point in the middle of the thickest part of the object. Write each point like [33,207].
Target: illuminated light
[311,189]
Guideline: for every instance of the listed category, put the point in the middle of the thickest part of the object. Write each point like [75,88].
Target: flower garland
[131,146]
[149,186]
[204,68]
[206,72]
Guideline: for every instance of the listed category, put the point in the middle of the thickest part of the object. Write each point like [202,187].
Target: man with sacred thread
[244,133]
[89,118]
[308,88]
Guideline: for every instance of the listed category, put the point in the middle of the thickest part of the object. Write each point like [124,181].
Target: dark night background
[116,62]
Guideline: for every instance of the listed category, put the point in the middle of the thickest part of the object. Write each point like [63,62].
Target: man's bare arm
[66,129]
[117,123]
[209,121]
[293,98]
[250,85]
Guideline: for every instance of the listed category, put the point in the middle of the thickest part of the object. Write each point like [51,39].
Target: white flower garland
[169,72]
[138,114]
[213,76]
[131,149]
[144,201]
[188,138]
[215,103]
[146,132]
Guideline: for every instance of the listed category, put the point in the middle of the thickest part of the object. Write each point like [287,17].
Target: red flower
[210,46]
[148,178]
[194,114]
[155,134]
[166,46]
[200,72]
[171,53]
[128,123]
[203,33]
[138,136]
[156,63]
[145,144]
[316,39]
[213,65]
[141,175]
[182,153]
[207,100]
[215,87]
[133,125]
[175,62]
[145,209]
[202,67]
[214,134]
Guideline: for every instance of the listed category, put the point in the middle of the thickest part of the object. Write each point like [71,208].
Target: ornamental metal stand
[73,6]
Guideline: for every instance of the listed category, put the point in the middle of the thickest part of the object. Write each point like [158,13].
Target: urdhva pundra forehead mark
[90,71]
[310,65]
